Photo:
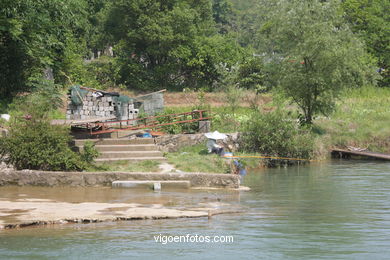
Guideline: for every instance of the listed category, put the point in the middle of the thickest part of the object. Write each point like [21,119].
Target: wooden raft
[342,153]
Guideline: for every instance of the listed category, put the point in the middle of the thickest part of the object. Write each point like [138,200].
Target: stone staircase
[113,150]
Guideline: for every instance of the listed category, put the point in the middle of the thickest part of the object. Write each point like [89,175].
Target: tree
[167,44]
[314,52]
[33,36]
[371,20]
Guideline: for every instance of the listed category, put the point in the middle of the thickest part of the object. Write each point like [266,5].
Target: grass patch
[223,119]
[196,159]
[142,166]
[361,119]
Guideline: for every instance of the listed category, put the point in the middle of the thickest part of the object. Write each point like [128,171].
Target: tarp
[215,135]
[77,94]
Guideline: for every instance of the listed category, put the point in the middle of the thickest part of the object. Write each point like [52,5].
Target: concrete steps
[129,154]
[132,150]
[109,141]
[137,159]
[125,147]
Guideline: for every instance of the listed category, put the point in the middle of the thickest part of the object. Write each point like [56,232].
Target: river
[334,210]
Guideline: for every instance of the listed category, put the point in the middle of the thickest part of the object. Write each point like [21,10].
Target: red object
[150,122]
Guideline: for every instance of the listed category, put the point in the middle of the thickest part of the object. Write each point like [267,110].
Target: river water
[334,210]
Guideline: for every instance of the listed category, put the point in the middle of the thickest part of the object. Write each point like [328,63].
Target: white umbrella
[215,135]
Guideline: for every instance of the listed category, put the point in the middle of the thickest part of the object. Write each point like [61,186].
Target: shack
[86,103]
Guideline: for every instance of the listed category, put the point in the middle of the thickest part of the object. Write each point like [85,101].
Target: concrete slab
[152,184]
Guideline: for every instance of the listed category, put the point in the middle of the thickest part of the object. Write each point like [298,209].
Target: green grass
[196,159]
[223,119]
[361,119]
[142,166]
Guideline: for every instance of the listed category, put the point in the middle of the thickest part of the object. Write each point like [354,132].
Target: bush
[177,128]
[37,145]
[274,134]
[89,152]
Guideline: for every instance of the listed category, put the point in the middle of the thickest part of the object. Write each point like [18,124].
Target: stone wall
[172,143]
[46,178]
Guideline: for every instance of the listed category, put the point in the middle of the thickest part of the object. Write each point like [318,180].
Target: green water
[337,210]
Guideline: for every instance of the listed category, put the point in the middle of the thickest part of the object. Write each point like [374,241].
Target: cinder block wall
[93,107]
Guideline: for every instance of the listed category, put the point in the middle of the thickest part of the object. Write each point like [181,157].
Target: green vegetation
[196,159]
[314,61]
[275,134]
[37,145]
[33,143]
[142,166]
[315,54]
[360,120]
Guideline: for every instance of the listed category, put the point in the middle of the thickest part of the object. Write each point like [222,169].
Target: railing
[149,122]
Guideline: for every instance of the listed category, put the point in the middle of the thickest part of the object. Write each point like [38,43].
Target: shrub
[274,134]
[89,152]
[177,128]
[37,145]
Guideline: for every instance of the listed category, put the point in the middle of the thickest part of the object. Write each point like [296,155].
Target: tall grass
[361,119]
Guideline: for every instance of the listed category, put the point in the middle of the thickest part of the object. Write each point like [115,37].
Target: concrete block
[185,184]
[157,186]
[204,126]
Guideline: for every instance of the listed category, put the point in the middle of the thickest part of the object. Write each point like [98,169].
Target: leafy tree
[314,53]
[33,35]
[167,44]
[371,20]
[224,15]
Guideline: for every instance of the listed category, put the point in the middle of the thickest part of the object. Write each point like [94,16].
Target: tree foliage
[167,43]
[177,44]
[371,21]
[33,36]
[274,134]
[314,52]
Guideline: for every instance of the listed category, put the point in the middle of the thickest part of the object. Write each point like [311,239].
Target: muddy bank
[85,179]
